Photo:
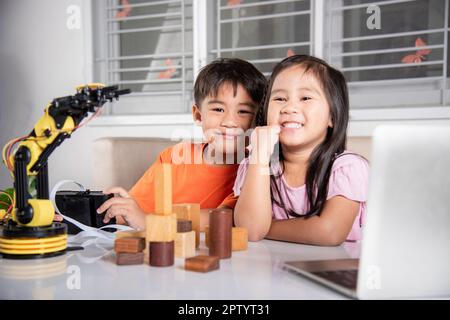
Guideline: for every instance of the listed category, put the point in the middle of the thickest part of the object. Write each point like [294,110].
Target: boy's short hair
[233,71]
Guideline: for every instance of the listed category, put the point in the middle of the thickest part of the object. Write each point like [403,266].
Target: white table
[93,274]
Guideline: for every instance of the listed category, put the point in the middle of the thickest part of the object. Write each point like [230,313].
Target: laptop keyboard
[345,278]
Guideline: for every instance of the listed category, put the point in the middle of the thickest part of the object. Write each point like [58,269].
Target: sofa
[122,161]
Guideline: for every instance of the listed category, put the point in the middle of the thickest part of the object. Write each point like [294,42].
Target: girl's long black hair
[322,158]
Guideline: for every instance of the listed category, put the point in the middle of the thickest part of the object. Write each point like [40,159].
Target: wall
[41,59]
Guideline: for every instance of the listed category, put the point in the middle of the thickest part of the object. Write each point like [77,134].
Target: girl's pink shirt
[349,178]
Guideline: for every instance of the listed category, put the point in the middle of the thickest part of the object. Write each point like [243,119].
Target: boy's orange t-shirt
[208,185]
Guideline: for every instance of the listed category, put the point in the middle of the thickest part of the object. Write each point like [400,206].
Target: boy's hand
[122,205]
[262,143]
[58,217]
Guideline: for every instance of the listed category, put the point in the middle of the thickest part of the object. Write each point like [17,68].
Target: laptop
[405,251]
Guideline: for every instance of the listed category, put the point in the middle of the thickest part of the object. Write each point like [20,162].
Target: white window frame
[362,120]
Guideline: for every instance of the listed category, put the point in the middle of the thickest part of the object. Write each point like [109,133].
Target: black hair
[322,157]
[233,71]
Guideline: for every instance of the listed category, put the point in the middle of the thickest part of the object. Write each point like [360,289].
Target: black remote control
[82,206]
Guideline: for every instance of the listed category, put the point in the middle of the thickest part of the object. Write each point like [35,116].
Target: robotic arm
[34,217]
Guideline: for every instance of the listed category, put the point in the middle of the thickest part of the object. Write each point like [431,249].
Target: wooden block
[184,225]
[123,259]
[202,263]
[190,211]
[129,245]
[160,228]
[239,239]
[163,189]
[162,254]
[129,234]
[207,236]
[220,225]
[185,244]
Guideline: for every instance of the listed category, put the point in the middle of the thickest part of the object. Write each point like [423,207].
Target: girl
[317,192]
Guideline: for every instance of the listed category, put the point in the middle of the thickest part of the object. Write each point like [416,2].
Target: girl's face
[299,106]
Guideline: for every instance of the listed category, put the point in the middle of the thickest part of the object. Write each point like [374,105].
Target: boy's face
[225,118]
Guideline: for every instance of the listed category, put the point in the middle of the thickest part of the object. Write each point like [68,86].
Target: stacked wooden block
[161,226]
[185,239]
[129,250]
[174,231]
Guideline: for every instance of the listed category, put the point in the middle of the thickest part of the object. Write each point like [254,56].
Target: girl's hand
[262,144]
[122,205]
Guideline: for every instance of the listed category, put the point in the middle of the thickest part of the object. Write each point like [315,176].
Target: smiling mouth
[292,125]
[228,136]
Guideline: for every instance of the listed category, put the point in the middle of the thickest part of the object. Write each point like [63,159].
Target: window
[157,47]
[146,46]
[401,64]
[262,32]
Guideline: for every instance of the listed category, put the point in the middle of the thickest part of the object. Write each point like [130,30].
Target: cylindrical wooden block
[220,225]
[207,236]
[162,254]
[184,225]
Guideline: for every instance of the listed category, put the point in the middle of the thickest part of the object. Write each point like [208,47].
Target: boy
[228,94]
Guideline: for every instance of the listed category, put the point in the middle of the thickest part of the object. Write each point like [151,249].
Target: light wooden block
[239,239]
[160,228]
[185,244]
[163,189]
[129,234]
[190,211]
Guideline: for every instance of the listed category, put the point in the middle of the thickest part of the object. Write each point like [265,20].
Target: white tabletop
[92,274]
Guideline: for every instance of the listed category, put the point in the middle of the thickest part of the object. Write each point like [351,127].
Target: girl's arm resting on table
[331,228]
[254,208]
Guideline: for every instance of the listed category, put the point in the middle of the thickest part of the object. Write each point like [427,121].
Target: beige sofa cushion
[122,161]
[360,145]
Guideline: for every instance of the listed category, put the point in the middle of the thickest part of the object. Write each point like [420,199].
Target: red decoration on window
[232,3]
[125,12]
[169,72]
[419,55]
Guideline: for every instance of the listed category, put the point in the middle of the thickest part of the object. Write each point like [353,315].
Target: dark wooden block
[184,225]
[129,245]
[162,254]
[220,239]
[202,263]
[124,259]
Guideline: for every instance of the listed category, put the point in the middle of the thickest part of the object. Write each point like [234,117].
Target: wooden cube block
[190,211]
[239,239]
[207,236]
[202,263]
[123,258]
[160,228]
[129,234]
[129,245]
[163,189]
[185,244]
[162,254]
